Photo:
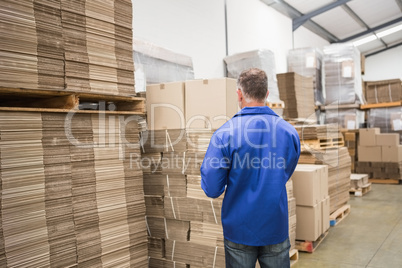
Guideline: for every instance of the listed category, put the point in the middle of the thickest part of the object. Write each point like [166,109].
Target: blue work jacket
[250,158]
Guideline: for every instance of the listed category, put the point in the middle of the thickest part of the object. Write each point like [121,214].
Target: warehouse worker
[250,158]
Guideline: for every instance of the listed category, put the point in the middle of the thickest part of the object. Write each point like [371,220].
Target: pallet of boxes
[380,156]
[184,225]
[324,145]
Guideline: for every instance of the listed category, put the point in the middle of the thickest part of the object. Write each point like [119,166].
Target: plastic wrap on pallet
[345,118]
[155,65]
[263,59]
[383,91]
[308,62]
[389,120]
[342,74]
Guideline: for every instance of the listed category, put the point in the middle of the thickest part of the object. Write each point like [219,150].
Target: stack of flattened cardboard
[98,39]
[74,45]
[19,55]
[317,132]
[50,44]
[351,138]
[298,94]
[58,191]
[346,118]
[86,204]
[292,213]
[343,83]
[162,163]
[25,234]
[308,62]
[184,225]
[383,91]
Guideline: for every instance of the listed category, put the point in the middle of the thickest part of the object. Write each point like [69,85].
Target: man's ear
[239,95]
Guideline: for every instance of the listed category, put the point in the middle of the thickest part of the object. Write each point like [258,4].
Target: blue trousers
[270,256]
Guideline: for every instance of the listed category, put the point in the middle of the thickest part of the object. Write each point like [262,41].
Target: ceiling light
[365,40]
[390,31]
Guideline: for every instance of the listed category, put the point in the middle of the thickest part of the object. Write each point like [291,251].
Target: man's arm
[215,168]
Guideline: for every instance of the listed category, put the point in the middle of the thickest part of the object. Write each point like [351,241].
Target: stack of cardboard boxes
[312,201]
[184,224]
[380,154]
[388,120]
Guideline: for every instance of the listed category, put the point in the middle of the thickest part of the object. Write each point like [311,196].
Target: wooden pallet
[361,191]
[339,106]
[310,246]
[31,100]
[338,215]
[384,181]
[320,144]
[294,256]
[381,105]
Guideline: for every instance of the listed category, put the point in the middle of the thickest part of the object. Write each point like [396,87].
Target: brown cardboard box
[210,103]
[387,139]
[325,214]
[308,223]
[392,153]
[367,136]
[324,182]
[165,106]
[370,153]
[310,184]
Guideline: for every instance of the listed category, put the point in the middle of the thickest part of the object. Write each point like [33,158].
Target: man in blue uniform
[250,158]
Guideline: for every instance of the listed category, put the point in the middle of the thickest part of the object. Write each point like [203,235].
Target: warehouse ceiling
[372,25]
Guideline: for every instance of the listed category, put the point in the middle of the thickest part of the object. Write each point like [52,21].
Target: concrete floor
[370,236]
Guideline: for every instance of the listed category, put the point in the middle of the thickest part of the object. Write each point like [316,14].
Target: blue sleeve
[215,168]
[295,154]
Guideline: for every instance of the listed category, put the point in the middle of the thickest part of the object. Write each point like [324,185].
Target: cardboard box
[210,103]
[369,153]
[310,184]
[325,207]
[308,222]
[324,182]
[387,139]
[367,136]
[392,153]
[165,106]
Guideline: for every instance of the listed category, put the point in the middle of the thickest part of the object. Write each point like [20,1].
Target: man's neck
[252,104]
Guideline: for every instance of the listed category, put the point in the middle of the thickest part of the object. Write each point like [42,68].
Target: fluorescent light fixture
[365,40]
[390,31]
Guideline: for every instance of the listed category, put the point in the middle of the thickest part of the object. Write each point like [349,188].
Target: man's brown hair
[253,83]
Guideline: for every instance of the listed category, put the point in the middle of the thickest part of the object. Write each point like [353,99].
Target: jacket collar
[256,110]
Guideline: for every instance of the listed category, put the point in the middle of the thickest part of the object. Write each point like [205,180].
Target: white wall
[385,65]
[190,27]
[303,37]
[197,29]
[254,25]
